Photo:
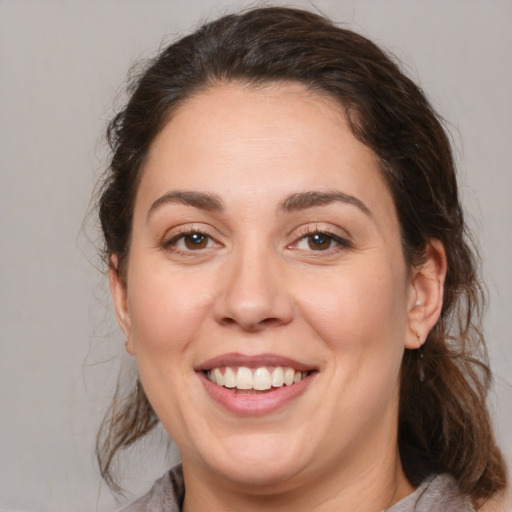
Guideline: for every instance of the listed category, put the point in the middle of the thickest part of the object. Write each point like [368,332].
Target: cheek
[355,310]
[166,309]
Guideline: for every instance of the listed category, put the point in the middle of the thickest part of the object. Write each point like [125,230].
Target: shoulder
[166,494]
[500,503]
[438,493]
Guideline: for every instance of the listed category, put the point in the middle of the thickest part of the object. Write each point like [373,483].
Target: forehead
[275,139]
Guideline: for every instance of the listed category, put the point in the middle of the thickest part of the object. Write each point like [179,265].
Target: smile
[244,379]
[255,385]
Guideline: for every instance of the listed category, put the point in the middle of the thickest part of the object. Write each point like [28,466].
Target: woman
[289,264]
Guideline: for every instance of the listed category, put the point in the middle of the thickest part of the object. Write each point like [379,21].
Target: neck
[368,487]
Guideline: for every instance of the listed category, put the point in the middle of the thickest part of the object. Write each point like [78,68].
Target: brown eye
[192,241]
[195,241]
[319,242]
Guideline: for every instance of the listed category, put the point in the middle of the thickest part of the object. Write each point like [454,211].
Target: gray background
[62,65]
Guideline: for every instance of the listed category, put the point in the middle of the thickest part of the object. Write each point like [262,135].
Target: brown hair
[444,425]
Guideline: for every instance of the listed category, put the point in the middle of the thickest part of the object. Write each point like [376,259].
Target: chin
[260,478]
[263,463]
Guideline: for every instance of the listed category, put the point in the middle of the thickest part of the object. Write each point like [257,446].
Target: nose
[255,294]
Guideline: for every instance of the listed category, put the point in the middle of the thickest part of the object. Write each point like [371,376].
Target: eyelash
[342,243]
[171,244]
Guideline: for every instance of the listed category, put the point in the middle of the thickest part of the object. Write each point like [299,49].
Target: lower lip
[256,404]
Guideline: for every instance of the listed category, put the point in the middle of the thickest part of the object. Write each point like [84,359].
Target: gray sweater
[435,494]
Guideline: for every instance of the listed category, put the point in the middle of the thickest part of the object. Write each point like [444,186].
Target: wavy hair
[444,424]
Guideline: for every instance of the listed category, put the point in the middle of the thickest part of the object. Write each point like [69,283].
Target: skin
[260,286]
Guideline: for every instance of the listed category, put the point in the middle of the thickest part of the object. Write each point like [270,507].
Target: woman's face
[266,254]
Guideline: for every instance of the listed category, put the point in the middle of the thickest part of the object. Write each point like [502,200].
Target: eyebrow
[294,202]
[304,200]
[201,200]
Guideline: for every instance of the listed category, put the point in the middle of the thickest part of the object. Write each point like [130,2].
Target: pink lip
[256,361]
[255,404]
[260,403]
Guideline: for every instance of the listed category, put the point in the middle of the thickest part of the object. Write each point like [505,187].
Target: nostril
[252,300]
[252,326]
[227,321]
[271,321]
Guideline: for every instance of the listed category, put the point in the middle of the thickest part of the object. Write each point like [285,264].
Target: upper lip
[253,361]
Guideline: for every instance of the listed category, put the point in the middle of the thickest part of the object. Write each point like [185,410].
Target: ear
[426,294]
[119,297]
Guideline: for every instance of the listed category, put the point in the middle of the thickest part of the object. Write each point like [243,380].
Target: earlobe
[426,295]
[119,297]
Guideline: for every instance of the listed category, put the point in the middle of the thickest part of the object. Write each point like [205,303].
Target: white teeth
[218,378]
[259,379]
[278,377]
[244,378]
[289,375]
[229,378]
